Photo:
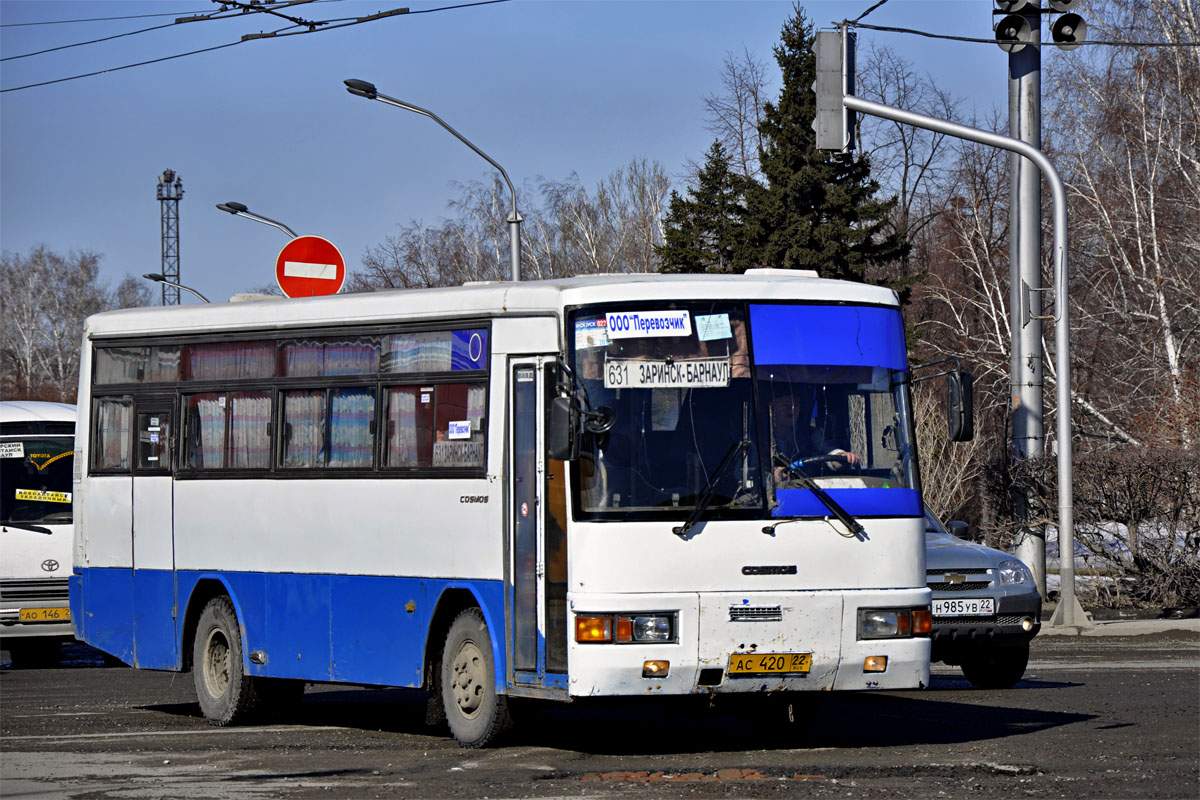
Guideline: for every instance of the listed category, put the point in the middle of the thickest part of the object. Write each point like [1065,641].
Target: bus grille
[33,590]
[755,614]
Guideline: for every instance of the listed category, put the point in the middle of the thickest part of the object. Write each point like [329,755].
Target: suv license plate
[965,607]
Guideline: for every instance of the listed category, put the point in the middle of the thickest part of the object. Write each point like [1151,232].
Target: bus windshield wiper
[852,525]
[794,469]
[25,526]
[710,488]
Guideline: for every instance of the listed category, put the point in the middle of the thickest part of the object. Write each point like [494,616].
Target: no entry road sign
[309,266]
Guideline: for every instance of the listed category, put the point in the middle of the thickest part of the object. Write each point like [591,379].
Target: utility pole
[1020,35]
[1025,266]
[170,191]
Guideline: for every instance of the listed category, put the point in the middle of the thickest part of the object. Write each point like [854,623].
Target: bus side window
[228,430]
[113,430]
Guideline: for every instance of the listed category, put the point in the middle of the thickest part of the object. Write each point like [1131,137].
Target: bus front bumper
[741,643]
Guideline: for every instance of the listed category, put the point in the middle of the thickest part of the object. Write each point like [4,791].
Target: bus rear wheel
[226,693]
[476,714]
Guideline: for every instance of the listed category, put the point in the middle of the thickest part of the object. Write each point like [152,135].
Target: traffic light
[833,122]
[1068,31]
[1013,33]
[1015,30]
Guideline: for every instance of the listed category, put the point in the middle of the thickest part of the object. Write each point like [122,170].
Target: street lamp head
[232,208]
[157,277]
[361,88]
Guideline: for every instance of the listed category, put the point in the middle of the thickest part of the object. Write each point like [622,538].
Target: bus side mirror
[960,405]
[565,434]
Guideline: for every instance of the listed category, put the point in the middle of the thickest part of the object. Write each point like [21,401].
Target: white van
[37,458]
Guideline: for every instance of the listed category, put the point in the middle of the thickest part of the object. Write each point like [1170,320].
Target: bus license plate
[769,663]
[965,607]
[59,614]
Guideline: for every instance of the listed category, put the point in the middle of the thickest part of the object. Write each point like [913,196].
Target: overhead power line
[327,25]
[92,19]
[869,10]
[929,35]
[241,10]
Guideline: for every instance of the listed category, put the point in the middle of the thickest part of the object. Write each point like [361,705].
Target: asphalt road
[1110,717]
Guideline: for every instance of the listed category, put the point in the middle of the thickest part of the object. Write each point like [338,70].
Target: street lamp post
[240,210]
[367,90]
[158,277]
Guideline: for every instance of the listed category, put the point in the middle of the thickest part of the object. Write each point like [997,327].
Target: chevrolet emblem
[954,577]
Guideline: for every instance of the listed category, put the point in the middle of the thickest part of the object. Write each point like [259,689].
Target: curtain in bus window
[304,421]
[476,397]
[352,412]
[250,430]
[118,365]
[358,356]
[114,422]
[303,359]
[163,364]
[206,431]
[219,361]
[159,364]
[402,427]
[428,351]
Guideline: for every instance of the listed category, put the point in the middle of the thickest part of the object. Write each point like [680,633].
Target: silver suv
[986,606]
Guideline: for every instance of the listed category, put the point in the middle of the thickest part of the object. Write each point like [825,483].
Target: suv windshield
[35,480]
[816,392]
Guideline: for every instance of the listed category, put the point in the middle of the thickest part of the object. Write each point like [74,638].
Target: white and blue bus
[609,486]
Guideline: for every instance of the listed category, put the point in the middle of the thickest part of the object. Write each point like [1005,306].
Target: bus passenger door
[538,541]
[153,540]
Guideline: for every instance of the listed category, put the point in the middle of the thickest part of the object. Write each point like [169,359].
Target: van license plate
[59,614]
[965,607]
[769,663]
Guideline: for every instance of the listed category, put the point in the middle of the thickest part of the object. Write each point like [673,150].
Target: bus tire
[226,693]
[476,714]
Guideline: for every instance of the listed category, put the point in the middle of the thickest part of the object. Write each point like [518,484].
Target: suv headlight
[1014,572]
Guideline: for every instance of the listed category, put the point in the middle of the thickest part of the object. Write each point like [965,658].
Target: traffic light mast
[1019,33]
[1068,614]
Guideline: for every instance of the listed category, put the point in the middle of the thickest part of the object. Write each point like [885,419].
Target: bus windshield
[35,480]
[802,394]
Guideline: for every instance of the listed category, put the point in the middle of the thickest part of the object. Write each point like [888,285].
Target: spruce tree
[701,232]
[816,211]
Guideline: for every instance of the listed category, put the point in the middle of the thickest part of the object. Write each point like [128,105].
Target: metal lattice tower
[170,191]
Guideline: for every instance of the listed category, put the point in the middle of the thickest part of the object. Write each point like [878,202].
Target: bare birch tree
[734,114]
[573,230]
[44,298]
[1129,134]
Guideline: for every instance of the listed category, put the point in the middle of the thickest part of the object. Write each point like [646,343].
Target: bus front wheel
[226,693]
[476,714]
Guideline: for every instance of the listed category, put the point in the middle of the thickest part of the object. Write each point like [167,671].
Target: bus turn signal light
[593,629]
[655,669]
[922,620]
[875,664]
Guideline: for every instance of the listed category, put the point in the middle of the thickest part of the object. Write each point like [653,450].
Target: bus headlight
[893,623]
[656,628]
[624,628]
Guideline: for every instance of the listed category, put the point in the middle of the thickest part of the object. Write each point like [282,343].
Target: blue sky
[546,88]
